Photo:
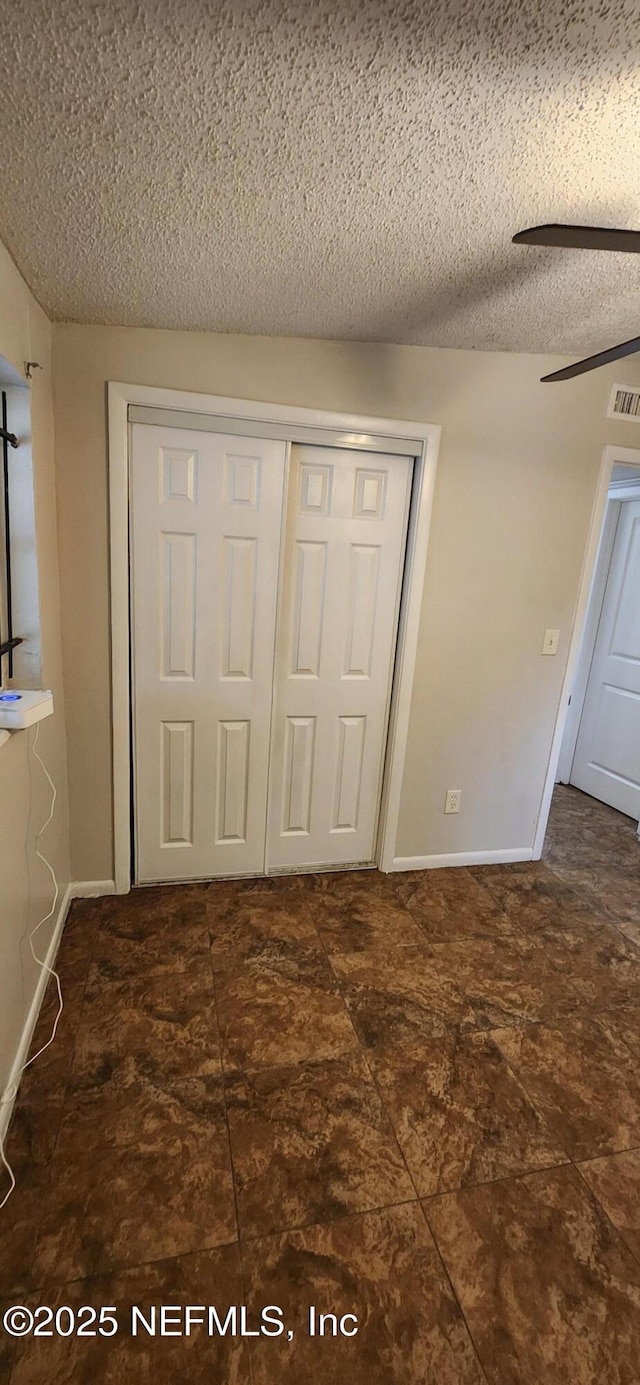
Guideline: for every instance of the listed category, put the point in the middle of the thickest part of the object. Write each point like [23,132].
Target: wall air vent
[625,403]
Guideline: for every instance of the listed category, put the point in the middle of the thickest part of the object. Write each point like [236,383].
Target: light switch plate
[551,642]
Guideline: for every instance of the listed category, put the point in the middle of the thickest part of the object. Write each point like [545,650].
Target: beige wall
[517,477]
[25,886]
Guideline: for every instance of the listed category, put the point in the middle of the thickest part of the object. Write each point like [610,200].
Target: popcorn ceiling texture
[326,168]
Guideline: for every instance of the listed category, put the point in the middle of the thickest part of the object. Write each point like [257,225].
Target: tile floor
[414,1098]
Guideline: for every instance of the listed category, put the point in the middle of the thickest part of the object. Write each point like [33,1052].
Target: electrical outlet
[452,801]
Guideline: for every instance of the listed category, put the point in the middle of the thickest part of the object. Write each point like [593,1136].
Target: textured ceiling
[327,168]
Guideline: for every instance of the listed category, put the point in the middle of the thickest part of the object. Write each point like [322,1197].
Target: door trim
[630,456]
[354,431]
[588,641]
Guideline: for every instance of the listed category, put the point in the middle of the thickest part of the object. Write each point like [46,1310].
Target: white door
[206,523]
[607,758]
[342,572]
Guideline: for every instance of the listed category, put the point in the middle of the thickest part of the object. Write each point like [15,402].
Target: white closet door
[206,522]
[607,758]
[344,552]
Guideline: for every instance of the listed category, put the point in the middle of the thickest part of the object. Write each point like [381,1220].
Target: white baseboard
[464,858]
[91,889]
[34,1010]
[77,889]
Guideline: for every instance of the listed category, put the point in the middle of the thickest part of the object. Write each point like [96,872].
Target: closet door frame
[218,413]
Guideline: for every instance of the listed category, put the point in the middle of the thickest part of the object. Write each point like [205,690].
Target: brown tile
[550,1292]
[619,898]
[212,1277]
[578,843]
[31,1139]
[623,1026]
[533,896]
[632,932]
[311,1143]
[161,933]
[576,819]
[44,1079]
[615,1181]
[395,998]
[162,1029]
[151,902]
[223,892]
[585,842]
[32,1134]
[281,1005]
[587,834]
[503,981]
[352,910]
[460,1114]
[478,983]
[19,1221]
[371,885]
[304,885]
[74,954]
[52,1045]
[585,1083]
[130,1107]
[363,920]
[112,1202]
[242,926]
[450,904]
[572,805]
[7,1348]
[383,1268]
[505,877]
[611,889]
[605,838]
[603,966]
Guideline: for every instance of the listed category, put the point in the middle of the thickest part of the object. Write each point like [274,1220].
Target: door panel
[344,554]
[607,758]
[176,777]
[206,521]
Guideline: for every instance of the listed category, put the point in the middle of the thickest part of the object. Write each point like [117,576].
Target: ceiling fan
[585,238]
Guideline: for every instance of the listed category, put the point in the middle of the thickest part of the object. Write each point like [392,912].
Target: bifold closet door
[344,555]
[205,535]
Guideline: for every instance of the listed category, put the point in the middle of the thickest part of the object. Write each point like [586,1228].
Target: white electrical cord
[11,1092]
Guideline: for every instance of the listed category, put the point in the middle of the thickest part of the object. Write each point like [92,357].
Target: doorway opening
[594,801]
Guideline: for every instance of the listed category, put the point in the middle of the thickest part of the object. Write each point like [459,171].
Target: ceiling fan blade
[615,353]
[580,238]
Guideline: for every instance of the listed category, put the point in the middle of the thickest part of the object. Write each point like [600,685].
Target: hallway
[413,1098]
